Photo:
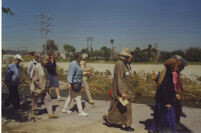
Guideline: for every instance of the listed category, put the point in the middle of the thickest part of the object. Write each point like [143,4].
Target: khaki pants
[71,96]
[86,89]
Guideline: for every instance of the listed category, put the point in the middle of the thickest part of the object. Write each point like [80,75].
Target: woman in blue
[74,86]
[164,116]
[52,74]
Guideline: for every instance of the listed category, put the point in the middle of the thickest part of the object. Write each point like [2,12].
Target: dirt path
[72,123]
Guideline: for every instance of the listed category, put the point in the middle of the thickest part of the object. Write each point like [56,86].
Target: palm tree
[112,41]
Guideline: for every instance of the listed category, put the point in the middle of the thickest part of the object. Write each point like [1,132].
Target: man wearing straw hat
[120,113]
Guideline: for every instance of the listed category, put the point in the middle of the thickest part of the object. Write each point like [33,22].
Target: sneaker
[91,102]
[53,116]
[60,99]
[83,114]
[66,111]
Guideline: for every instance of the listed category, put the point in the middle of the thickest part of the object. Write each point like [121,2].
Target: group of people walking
[42,72]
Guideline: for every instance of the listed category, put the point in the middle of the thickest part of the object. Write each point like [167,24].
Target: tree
[164,55]
[107,52]
[193,54]
[7,10]
[178,52]
[85,50]
[50,46]
[139,55]
[3,52]
[69,49]
[99,54]
[112,51]
[32,53]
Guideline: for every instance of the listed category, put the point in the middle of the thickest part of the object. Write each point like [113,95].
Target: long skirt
[164,119]
[119,114]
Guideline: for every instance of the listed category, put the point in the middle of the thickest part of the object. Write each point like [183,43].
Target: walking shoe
[66,111]
[53,116]
[32,117]
[183,114]
[107,123]
[152,131]
[83,114]
[60,99]
[91,102]
[128,129]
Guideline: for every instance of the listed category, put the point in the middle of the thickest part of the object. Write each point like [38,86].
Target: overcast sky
[173,24]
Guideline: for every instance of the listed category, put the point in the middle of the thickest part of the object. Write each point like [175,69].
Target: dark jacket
[165,93]
[51,68]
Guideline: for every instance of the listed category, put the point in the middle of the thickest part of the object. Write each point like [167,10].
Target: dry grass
[143,85]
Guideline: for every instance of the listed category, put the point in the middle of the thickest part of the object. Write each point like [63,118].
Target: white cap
[17,56]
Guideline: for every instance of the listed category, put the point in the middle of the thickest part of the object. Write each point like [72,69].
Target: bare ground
[73,123]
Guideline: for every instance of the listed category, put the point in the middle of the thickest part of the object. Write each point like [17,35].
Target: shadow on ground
[21,114]
[180,127]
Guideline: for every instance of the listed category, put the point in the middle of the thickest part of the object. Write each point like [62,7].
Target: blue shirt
[12,76]
[75,73]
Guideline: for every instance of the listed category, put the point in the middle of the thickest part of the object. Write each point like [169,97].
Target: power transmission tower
[44,29]
[45,25]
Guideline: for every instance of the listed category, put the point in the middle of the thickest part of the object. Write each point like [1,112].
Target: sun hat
[17,56]
[125,52]
[84,55]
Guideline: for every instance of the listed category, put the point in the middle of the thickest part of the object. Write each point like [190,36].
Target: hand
[42,92]
[168,106]
[88,73]
[8,85]
[69,86]
[124,96]
[52,60]
[182,91]
[12,72]
[178,97]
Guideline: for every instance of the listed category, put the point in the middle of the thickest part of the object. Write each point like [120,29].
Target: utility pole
[91,47]
[89,43]
[112,50]
[88,39]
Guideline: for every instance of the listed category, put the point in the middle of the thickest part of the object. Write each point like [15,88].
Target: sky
[172,24]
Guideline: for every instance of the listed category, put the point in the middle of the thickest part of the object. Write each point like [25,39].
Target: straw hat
[125,52]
